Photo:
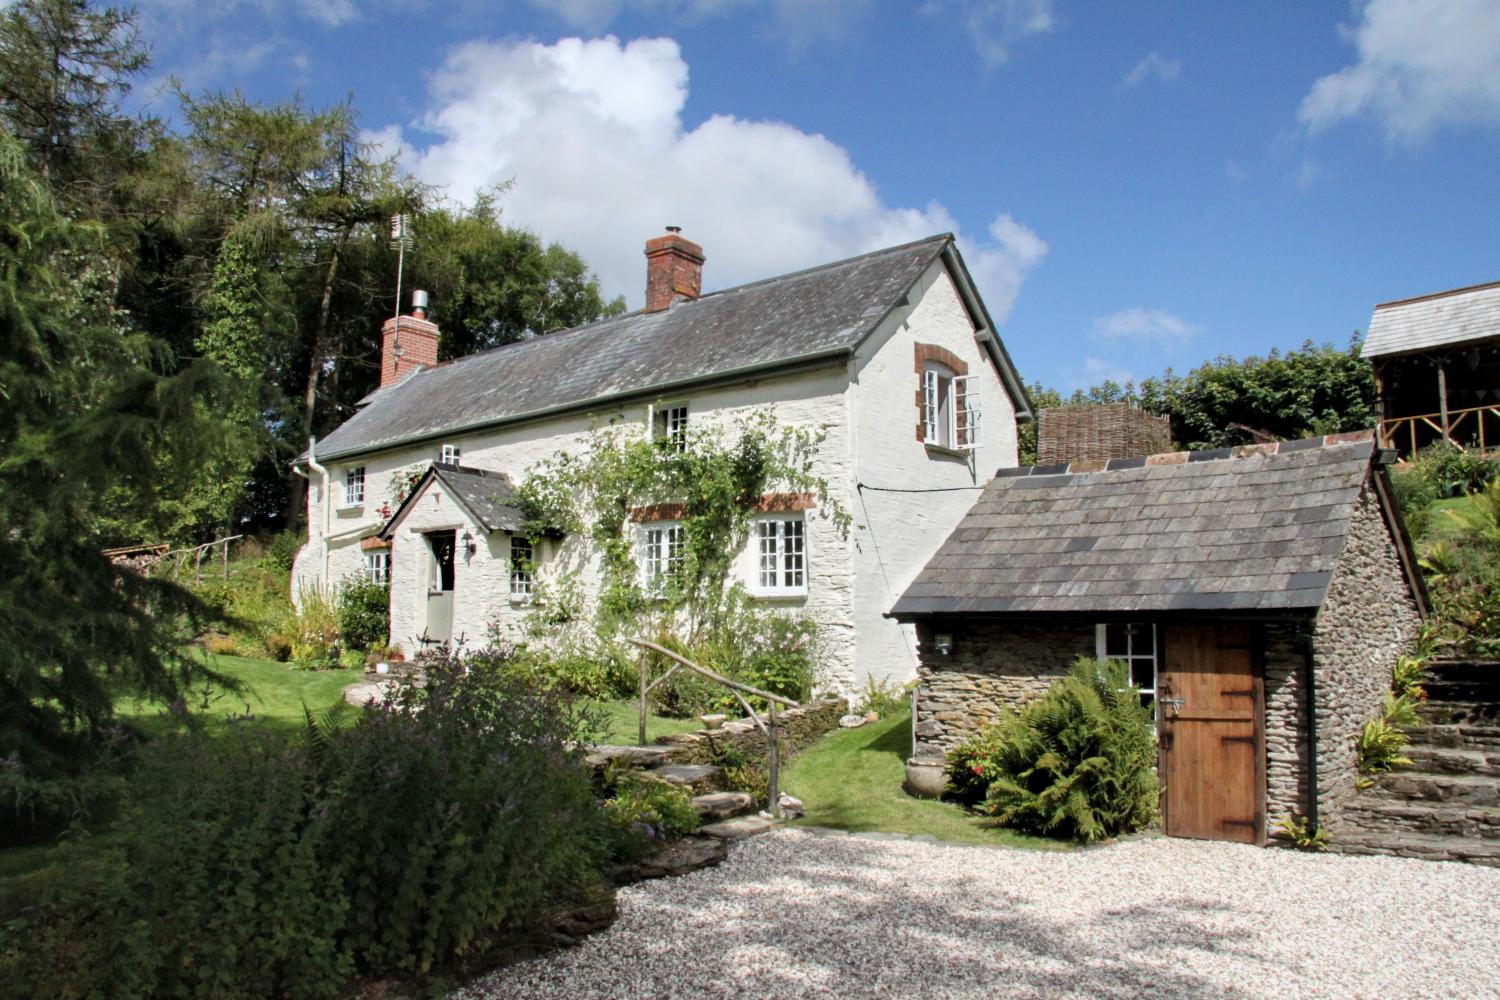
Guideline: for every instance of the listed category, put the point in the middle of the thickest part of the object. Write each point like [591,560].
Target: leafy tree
[84,411]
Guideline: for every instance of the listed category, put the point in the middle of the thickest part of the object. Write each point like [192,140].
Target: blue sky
[1135,186]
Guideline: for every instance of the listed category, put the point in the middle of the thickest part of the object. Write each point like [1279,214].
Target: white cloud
[1097,371]
[1149,326]
[1422,64]
[592,133]
[331,13]
[1153,65]
[996,25]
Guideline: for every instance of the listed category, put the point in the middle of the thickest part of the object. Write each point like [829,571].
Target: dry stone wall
[799,727]
[993,666]
[1368,619]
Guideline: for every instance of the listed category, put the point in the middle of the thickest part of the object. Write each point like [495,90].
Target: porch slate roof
[822,313]
[487,496]
[1257,528]
[1440,320]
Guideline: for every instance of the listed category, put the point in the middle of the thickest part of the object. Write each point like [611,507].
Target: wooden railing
[773,792]
[1466,425]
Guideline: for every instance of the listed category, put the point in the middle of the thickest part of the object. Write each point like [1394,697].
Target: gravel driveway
[795,914]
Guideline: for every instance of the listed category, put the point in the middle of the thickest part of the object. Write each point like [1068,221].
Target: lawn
[851,780]
[622,722]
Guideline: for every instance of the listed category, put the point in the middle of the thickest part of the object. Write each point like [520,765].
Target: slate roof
[487,496]
[1258,528]
[821,313]
[1454,317]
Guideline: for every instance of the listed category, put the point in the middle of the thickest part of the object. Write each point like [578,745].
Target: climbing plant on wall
[712,481]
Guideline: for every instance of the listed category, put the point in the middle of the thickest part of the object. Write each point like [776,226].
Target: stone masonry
[799,727]
[993,666]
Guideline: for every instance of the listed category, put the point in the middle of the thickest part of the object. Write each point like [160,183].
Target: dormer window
[354,486]
[670,424]
[449,454]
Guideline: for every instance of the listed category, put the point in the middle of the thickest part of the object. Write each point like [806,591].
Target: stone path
[793,914]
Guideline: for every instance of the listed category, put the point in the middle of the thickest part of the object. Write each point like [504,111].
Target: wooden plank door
[1209,700]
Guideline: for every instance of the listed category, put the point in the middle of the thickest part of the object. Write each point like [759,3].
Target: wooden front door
[1209,699]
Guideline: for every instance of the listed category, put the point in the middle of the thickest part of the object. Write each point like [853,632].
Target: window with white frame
[780,557]
[950,409]
[1135,645]
[354,486]
[522,564]
[669,425]
[661,554]
[378,566]
[449,454]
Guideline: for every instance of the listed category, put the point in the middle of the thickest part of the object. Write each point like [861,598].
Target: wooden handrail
[1406,426]
[739,690]
[788,702]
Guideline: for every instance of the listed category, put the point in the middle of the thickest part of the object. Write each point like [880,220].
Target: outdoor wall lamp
[943,643]
[469,546]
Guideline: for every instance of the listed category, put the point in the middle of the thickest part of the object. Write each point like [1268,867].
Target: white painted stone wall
[867,413]
[895,534]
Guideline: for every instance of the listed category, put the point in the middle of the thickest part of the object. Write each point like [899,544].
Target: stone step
[738,828]
[1380,816]
[1415,845]
[723,805]
[1453,760]
[1448,711]
[695,777]
[1422,786]
[1458,735]
[1484,672]
[604,754]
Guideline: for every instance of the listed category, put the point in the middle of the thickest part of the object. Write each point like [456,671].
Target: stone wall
[1101,432]
[799,727]
[993,665]
[1368,619]
[1284,647]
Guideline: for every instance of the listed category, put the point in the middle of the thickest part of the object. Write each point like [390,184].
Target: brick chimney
[674,268]
[407,342]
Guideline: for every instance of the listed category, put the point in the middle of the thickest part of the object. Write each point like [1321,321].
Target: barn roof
[1252,529]
[1440,320]
[817,315]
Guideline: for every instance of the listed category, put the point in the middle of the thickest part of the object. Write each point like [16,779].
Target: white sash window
[780,557]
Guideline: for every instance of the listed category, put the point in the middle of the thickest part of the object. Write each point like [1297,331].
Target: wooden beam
[1443,398]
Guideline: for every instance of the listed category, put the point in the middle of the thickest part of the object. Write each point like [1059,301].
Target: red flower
[979,770]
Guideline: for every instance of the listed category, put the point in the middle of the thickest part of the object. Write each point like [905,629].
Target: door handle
[1175,704]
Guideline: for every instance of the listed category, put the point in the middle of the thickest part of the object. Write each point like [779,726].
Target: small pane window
[781,556]
[354,486]
[378,567]
[522,563]
[661,555]
[670,426]
[449,454]
[1134,644]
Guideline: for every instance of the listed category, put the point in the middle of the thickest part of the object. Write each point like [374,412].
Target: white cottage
[892,355]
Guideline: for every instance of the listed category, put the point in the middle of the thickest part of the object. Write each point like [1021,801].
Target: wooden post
[774,791]
[1443,398]
[224,559]
[643,698]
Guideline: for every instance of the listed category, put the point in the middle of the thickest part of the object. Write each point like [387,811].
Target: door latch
[1175,704]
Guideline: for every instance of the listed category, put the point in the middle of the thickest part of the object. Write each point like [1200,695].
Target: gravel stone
[791,914]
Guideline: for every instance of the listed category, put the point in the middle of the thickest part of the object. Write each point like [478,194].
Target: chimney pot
[419,304]
[674,269]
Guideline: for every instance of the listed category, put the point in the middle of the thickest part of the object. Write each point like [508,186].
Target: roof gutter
[794,365]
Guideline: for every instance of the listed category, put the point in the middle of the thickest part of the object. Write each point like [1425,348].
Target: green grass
[273,697]
[851,780]
[622,722]
[1441,527]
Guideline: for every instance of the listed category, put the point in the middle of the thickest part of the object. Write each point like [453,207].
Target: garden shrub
[884,697]
[651,806]
[363,609]
[971,766]
[248,866]
[1463,574]
[1078,762]
[312,632]
[1380,744]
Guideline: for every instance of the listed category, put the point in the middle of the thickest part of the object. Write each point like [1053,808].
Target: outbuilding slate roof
[487,496]
[818,314]
[1440,320]
[1257,528]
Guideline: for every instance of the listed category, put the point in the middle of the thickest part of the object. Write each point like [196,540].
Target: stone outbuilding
[1260,596]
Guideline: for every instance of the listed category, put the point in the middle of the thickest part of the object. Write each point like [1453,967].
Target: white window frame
[378,566]
[522,578]
[669,424]
[354,486]
[1131,657]
[449,454]
[660,551]
[950,408]
[779,566]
